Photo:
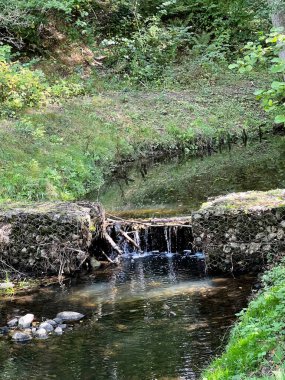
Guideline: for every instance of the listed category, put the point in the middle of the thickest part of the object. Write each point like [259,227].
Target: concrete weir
[238,232]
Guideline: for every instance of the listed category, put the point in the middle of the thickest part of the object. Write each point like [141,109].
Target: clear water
[155,317]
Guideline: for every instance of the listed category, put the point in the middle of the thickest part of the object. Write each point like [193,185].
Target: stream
[156,316]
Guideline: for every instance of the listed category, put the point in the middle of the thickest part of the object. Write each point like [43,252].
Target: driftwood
[183,221]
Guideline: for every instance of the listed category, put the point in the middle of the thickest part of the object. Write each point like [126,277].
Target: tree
[277,9]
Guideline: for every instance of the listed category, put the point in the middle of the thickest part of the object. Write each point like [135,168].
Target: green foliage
[22,87]
[266,53]
[148,52]
[257,343]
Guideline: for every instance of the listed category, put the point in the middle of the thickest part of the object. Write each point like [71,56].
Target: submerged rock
[26,321]
[70,316]
[21,337]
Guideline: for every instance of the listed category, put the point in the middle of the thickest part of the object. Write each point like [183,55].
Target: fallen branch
[130,240]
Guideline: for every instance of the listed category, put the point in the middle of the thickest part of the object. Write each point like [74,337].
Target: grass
[256,348]
[64,151]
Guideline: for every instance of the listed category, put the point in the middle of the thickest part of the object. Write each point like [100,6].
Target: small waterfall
[137,238]
[146,239]
[167,235]
[175,230]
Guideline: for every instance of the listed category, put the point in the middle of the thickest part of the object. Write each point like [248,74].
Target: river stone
[21,337]
[47,326]
[58,331]
[63,326]
[41,333]
[58,321]
[51,322]
[70,316]
[13,322]
[26,321]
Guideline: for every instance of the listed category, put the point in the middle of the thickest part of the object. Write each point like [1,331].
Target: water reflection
[177,186]
[155,317]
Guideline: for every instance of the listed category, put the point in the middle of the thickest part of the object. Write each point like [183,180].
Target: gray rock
[51,322]
[58,321]
[70,316]
[21,337]
[26,321]
[58,331]
[41,333]
[13,322]
[63,326]
[47,326]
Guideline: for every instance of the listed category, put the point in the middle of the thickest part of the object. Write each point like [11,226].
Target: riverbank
[66,150]
[256,348]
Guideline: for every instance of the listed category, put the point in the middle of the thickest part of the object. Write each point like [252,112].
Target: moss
[248,201]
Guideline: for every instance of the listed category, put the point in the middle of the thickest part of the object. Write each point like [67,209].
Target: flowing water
[155,317]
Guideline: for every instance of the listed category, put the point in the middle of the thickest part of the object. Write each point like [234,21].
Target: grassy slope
[256,349]
[64,151]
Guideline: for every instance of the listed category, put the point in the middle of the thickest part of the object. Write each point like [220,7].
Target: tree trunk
[278,18]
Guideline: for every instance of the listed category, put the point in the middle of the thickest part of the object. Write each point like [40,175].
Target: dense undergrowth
[256,349]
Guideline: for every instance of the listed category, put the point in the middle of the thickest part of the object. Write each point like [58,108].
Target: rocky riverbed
[27,327]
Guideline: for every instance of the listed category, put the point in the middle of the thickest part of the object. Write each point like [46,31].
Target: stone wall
[46,237]
[242,231]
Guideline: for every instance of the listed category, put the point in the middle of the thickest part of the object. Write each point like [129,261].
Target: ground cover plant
[256,348]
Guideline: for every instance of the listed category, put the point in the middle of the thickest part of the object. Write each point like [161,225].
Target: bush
[265,53]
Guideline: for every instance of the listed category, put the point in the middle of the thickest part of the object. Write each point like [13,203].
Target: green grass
[256,348]
[64,151]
